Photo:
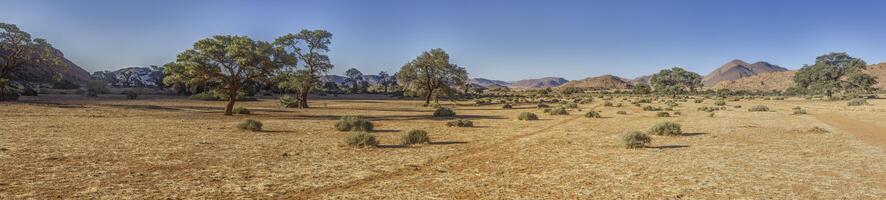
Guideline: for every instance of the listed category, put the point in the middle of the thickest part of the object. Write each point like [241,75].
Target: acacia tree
[229,61]
[675,81]
[18,49]
[385,80]
[430,74]
[354,78]
[307,50]
[835,72]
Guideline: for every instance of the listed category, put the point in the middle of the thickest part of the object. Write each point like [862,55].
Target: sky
[504,40]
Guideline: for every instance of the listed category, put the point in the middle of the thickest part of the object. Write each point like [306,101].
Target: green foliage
[832,73]
[759,108]
[304,54]
[18,50]
[641,89]
[353,123]
[431,74]
[675,81]
[250,125]
[593,114]
[415,137]
[666,128]
[635,139]
[527,116]
[460,123]
[857,102]
[361,139]
[96,87]
[444,112]
[288,101]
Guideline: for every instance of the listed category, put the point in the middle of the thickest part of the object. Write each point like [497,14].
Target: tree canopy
[431,74]
[835,72]
[18,49]
[228,61]
[675,81]
[307,53]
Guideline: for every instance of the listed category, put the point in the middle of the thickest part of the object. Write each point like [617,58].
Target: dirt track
[870,133]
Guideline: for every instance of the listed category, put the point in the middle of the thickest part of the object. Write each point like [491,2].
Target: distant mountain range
[737,69]
[131,77]
[600,82]
[45,74]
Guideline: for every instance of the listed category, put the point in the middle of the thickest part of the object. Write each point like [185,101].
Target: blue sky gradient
[506,40]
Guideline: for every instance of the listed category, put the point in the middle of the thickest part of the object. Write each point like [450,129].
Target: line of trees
[17,50]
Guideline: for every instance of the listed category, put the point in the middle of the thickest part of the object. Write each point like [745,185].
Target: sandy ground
[66,146]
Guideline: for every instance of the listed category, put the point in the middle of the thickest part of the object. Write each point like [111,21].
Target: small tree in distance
[675,81]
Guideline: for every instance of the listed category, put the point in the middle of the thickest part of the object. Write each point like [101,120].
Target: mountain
[539,83]
[333,78]
[487,83]
[879,71]
[641,80]
[131,77]
[737,69]
[45,74]
[600,82]
[761,82]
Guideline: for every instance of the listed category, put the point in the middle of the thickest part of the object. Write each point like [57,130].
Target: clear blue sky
[505,40]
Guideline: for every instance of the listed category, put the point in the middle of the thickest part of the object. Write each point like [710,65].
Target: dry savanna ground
[67,146]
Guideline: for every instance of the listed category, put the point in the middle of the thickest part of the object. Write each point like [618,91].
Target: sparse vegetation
[857,102]
[527,116]
[250,125]
[415,137]
[621,112]
[662,114]
[460,123]
[353,123]
[759,108]
[666,128]
[635,139]
[242,111]
[592,114]
[361,139]
[444,112]
[559,111]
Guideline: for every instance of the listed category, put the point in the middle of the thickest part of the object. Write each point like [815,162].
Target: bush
[607,104]
[288,101]
[460,123]
[250,125]
[571,105]
[650,108]
[699,101]
[711,115]
[800,112]
[131,94]
[621,112]
[242,111]
[662,114]
[352,123]
[592,114]
[759,108]
[542,105]
[678,113]
[635,139]
[857,102]
[96,87]
[361,139]
[666,128]
[415,137]
[559,111]
[737,106]
[213,95]
[527,116]
[507,106]
[719,103]
[444,112]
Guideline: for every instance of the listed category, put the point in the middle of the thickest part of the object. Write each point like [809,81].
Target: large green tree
[18,49]
[431,74]
[835,72]
[307,50]
[675,81]
[228,61]
[354,81]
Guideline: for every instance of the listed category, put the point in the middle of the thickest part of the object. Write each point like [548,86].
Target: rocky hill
[760,82]
[879,71]
[132,77]
[45,74]
[737,69]
[539,83]
[488,83]
[641,80]
[604,82]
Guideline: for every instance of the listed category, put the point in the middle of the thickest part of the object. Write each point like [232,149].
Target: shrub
[666,128]
[635,139]
[131,94]
[288,101]
[460,123]
[592,114]
[250,125]
[444,112]
[737,106]
[415,137]
[699,101]
[607,104]
[242,111]
[559,111]
[361,139]
[650,108]
[527,116]
[542,105]
[711,115]
[759,108]
[352,123]
[678,113]
[719,103]
[662,114]
[96,87]
[571,105]
[507,106]
[857,102]
[800,112]
[621,112]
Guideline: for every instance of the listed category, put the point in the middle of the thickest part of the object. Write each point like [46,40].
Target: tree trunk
[302,99]
[428,98]
[232,98]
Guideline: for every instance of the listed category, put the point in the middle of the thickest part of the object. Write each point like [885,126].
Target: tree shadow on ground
[694,134]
